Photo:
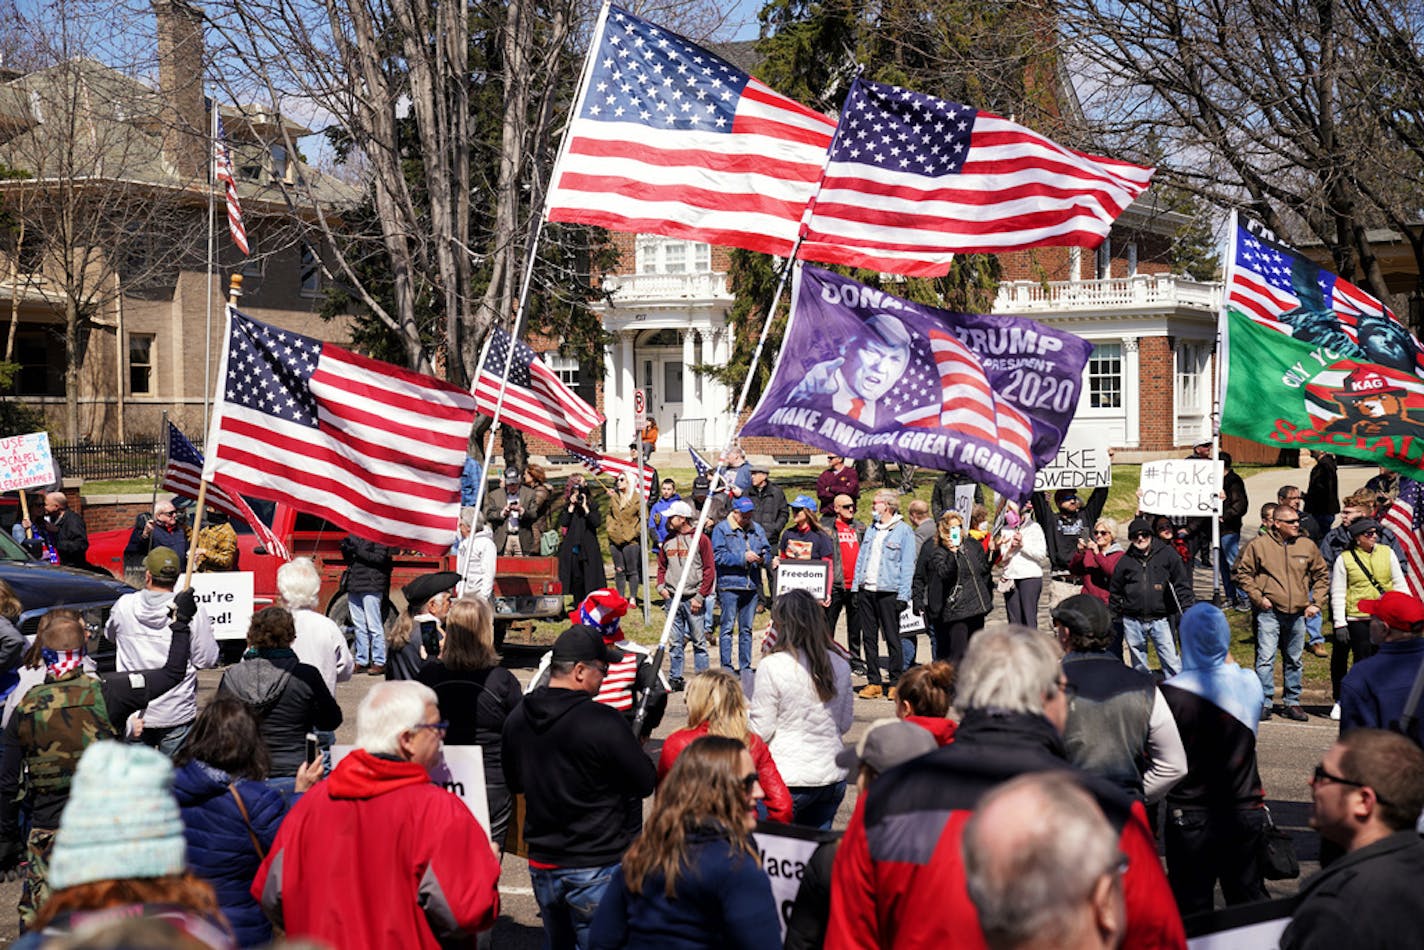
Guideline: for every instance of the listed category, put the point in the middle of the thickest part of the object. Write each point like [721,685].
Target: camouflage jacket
[51,728]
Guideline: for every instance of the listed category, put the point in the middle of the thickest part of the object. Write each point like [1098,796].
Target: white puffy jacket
[803,733]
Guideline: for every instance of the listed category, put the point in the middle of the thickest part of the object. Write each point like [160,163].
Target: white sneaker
[1335,712]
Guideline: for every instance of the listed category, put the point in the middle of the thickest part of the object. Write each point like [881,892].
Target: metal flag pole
[643,528]
[1219,569]
[641,710]
[212,267]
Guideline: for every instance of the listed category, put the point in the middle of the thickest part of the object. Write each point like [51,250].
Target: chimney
[183,112]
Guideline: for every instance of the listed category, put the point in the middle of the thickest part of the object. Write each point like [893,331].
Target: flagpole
[531,257]
[161,471]
[212,270]
[1219,569]
[234,292]
[641,710]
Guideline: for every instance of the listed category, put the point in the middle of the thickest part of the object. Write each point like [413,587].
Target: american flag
[968,402]
[222,171]
[536,400]
[607,464]
[670,139]
[1282,289]
[1405,519]
[700,464]
[373,448]
[184,477]
[914,179]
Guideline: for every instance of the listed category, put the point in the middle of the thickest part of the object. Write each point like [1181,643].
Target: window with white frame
[1192,362]
[1105,376]
[657,255]
[565,367]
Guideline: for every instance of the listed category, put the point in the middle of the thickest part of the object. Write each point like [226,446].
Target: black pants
[1021,603]
[1358,643]
[880,616]
[951,637]
[843,599]
[1204,847]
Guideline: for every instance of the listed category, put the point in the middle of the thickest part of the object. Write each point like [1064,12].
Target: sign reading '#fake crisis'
[1190,487]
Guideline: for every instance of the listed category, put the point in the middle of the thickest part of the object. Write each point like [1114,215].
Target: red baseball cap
[1396,610]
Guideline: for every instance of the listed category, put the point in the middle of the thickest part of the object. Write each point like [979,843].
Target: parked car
[42,587]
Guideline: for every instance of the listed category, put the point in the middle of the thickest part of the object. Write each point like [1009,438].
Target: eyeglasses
[1141,534]
[1103,534]
[1320,775]
[441,727]
[1067,688]
[749,782]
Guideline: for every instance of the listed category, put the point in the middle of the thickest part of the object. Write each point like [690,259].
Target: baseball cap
[163,564]
[701,484]
[1398,611]
[886,744]
[680,508]
[760,468]
[743,504]
[1082,614]
[579,644]
[511,475]
[805,501]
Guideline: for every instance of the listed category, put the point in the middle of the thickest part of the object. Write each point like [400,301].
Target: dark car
[42,587]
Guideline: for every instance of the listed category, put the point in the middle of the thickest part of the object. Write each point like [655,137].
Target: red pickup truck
[525,588]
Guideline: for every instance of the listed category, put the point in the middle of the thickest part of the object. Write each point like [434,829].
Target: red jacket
[377,856]
[1095,569]
[910,892]
[939,727]
[778,796]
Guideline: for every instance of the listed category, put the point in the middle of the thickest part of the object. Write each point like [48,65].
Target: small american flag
[536,400]
[914,179]
[969,403]
[222,171]
[1405,519]
[184,477]
[700,464]
[670,139]
[602,464]
[373,448]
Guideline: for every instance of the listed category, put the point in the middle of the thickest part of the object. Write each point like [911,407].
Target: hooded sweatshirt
[583,775]
[138,626]
[288,698]
[1217,706]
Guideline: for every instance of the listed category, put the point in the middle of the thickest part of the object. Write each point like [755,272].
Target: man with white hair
[377,855]
[475,558]
[320,642]
[883,574]
[899,878]
[1042,867]
[66,532]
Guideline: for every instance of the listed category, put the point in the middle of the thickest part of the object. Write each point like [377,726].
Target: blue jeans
[1230,548]
[1269,624]
[739,608]
[687,626]
[815,806]
[1136,632]
[166,739]
[567,899]
[1313,627]
[370,631]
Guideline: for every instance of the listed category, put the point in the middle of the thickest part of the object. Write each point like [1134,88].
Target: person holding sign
[694,871]
[951,588]
[805,540]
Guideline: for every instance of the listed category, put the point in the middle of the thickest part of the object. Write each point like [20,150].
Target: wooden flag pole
[233,293]
[25,514]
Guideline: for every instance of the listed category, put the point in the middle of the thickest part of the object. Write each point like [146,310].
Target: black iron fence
[110,460]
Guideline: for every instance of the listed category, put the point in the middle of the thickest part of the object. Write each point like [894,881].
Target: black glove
[185,603]
[12,856]
[900,605]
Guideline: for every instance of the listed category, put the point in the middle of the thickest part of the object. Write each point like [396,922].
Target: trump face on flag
[869,365]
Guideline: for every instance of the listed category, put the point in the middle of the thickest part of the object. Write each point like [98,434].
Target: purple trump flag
[866,374]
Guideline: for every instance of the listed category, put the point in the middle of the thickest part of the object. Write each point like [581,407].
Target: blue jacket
[723,901]
[730,544]
[897,560]
[220,850]
[1374,692]
[657,521]
[470,477]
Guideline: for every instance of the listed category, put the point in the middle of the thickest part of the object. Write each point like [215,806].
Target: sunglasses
[749,782]
[1103,534]
[1141,534]
[1287,521]
[1320,775]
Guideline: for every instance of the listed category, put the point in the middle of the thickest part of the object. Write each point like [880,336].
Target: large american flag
[670,139]
[375,449]
[183,476]
[1405,519]
[914,179]
[536,400]
[222,171]
[600,464]
[969,403]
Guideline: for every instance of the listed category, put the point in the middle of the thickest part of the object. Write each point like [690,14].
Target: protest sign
[1082,462]
[785,849]
[964,502]
[1254,926]
[461,772]
[813,576]
[911,622]
[1177,487]
[226,597]
[26,462]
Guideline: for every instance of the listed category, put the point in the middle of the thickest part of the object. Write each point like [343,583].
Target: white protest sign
[911,622]
[25,462]
[226,597]
[813,576]
[461,772]
[1190,487]
[964,502]
[784,853]
[1082,462]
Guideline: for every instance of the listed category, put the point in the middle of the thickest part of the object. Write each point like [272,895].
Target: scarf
[59,662]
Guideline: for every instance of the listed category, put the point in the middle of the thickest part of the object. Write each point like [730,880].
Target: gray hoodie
[138,625]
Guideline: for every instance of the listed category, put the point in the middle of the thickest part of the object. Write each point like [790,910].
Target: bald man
[66,531]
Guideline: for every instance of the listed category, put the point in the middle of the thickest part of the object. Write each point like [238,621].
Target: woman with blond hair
[476,695]
[693,878]
[717,706]
[624,527]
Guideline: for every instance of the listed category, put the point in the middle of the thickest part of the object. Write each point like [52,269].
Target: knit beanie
[121,820]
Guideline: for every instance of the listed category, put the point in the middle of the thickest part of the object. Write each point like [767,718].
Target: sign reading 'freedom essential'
[1189,487]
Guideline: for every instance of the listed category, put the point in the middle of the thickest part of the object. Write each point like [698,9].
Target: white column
[691,405]
[1131,385]
[714,394]
[624,426]
[612,400]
